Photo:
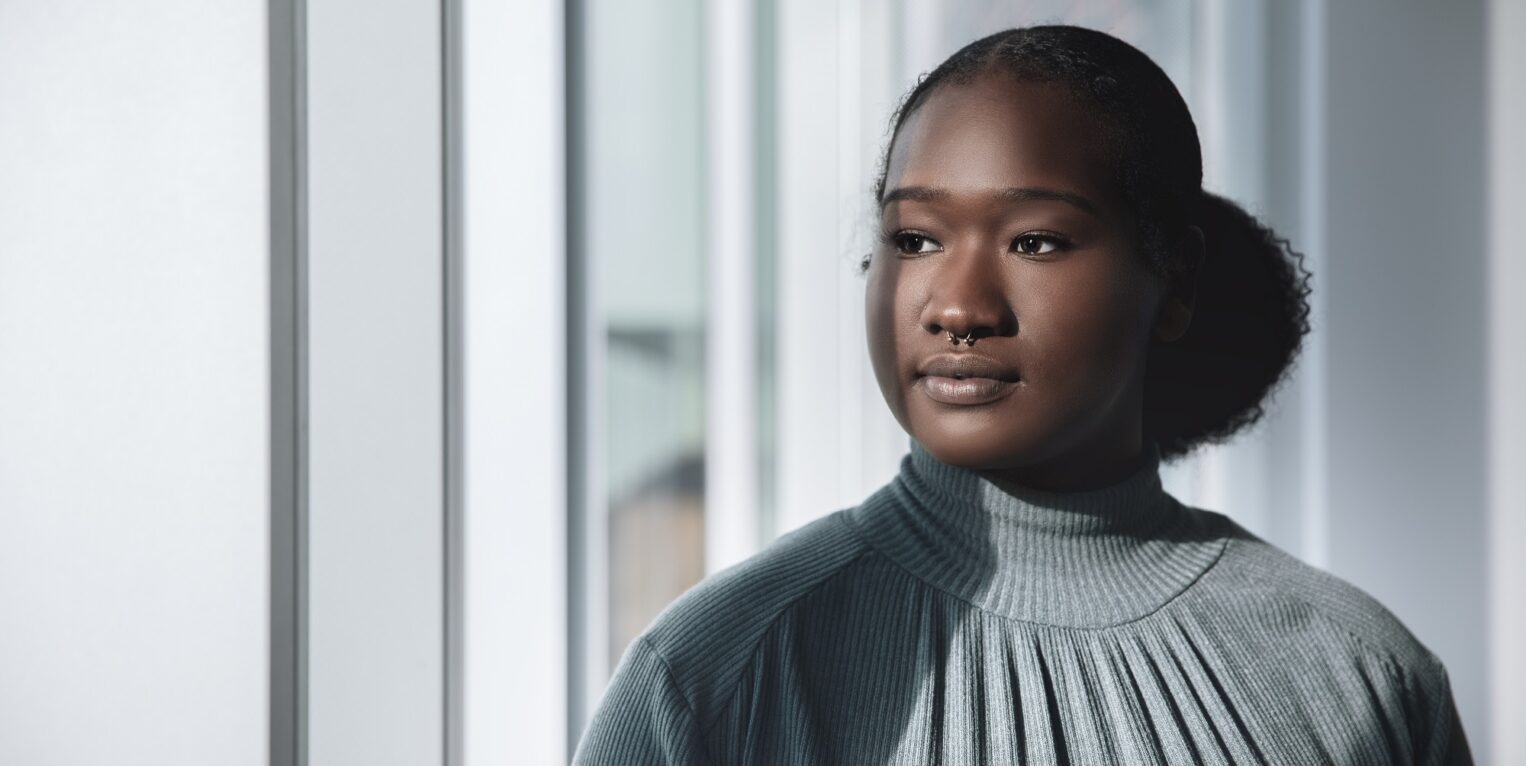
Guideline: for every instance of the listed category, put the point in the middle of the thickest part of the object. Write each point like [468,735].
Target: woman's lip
[964,391]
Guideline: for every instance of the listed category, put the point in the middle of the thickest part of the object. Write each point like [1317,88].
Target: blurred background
[372,373]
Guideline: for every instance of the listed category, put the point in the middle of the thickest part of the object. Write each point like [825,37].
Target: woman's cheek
[882,325]
[1068,338]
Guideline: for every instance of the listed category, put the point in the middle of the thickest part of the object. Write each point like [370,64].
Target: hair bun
[1250,315]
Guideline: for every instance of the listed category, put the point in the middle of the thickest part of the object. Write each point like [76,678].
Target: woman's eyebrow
[1016,194]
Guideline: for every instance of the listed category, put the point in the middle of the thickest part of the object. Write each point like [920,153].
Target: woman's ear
[1176,309]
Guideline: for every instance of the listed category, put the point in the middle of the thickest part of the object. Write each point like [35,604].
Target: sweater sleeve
[1441,741]
[644,718]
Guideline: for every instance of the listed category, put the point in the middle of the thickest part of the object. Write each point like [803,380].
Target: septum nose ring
[969,338]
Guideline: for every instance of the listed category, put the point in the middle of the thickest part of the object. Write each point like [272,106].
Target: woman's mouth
[966,378]
[964,391]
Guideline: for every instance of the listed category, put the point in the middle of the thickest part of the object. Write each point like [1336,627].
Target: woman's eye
[1035,244]
[910,243]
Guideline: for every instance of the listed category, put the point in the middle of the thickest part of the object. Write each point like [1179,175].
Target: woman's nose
[969,298]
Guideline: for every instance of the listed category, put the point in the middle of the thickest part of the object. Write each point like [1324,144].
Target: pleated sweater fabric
[949,620]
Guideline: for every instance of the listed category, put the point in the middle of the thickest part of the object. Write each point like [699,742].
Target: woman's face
[1001,220]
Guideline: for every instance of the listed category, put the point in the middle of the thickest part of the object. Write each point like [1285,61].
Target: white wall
[1407,290]
[1507,365]
[133,382]
[837,83]
[514,637]
[375,383]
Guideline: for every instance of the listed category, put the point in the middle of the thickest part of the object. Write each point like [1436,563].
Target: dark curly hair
[1251,311]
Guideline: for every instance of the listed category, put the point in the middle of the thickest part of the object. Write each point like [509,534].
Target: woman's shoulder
[1287,592]
[707,633]
[680,671]
[1307,619]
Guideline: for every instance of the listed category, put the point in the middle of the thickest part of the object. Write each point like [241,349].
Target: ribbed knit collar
[1087,558]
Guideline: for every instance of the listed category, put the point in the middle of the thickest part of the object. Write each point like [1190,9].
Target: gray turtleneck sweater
[949,620]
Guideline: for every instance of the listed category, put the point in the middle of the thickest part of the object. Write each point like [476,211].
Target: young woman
[1055,307]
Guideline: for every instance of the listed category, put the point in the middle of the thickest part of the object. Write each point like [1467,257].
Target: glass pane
[642,196]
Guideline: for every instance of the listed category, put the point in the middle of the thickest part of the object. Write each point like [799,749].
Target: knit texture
[949,620]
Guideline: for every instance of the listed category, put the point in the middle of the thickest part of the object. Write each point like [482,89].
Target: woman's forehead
[998,132]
